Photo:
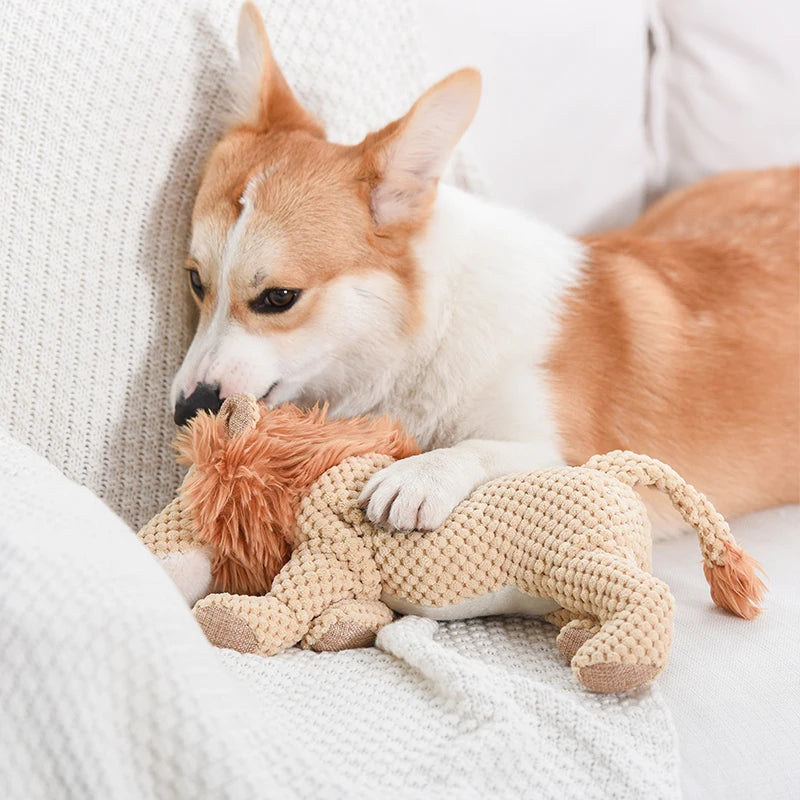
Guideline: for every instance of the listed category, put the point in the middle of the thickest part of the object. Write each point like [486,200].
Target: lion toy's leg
[635,610]
[266,626]
[346,625]
[170,537]
[315,598]
[575,630]
[248,624]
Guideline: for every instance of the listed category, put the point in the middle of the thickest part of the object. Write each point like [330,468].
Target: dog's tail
[729,570]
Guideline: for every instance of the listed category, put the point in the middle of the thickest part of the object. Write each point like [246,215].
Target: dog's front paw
[420,492]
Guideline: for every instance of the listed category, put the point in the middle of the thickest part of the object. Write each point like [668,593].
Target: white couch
[107,113]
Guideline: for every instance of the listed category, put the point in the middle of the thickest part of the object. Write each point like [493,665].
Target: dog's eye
[272,301]
[197,284]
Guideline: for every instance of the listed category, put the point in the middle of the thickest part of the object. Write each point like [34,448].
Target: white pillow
[561,128]
[108,112]
[732,86]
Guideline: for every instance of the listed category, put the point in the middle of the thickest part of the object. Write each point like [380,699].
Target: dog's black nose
[204,398]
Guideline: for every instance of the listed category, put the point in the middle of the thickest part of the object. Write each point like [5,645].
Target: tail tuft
[735,586]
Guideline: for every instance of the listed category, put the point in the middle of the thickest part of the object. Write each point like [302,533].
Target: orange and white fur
[348,274]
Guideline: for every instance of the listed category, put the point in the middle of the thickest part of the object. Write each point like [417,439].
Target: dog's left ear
[404,161]
[262,98]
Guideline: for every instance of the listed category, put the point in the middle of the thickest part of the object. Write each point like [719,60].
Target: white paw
[420,492]
[191,572]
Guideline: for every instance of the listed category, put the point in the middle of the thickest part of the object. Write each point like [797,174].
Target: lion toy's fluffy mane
[249,476]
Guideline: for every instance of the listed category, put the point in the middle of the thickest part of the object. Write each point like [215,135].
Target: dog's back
[684,340]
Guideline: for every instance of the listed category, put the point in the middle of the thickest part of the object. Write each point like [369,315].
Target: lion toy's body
[571,544]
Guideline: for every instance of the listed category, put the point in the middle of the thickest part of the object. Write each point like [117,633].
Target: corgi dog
[349,275]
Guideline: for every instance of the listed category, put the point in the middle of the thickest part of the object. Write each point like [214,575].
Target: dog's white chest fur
[493,285]
[508,600]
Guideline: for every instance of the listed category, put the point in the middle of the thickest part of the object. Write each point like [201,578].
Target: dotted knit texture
[695,508]
[172,531]
[577,535]
[110,690]
[108,112]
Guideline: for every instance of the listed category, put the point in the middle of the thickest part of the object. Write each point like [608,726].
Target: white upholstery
[561,127]
[733,686]
[580,122]
[732,86]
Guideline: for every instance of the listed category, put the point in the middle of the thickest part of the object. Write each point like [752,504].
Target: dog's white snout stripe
[203,357]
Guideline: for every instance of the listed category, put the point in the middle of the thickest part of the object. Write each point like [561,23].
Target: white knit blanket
[109,689]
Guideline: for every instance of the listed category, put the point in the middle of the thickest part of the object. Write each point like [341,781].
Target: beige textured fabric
[346,624]
[573,634]
[240,412]
[171,531]
[224,629]
[345,636]
[696,509]
[580,536]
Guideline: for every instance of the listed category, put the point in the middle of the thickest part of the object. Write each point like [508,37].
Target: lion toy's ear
[240,413]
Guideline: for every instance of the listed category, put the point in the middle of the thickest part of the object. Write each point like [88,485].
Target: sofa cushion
[731,94]
[561,131]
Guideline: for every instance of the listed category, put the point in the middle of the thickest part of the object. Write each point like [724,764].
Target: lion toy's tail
[729,570]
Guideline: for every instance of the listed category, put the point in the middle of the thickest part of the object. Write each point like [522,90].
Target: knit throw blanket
[109,689]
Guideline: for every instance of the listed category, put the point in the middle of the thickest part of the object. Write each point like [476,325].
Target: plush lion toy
[270,506]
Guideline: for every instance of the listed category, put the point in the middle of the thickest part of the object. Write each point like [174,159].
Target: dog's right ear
[262,99]
[404,161]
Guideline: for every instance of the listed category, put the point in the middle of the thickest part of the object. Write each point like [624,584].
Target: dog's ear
[404,161]
[262,99]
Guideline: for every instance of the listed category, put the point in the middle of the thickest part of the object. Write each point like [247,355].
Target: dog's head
[300,259]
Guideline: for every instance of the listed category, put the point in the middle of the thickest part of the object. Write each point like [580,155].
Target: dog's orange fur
[684,340]
[334,235]
[245,490]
